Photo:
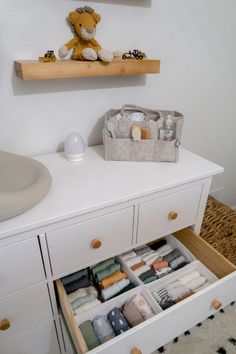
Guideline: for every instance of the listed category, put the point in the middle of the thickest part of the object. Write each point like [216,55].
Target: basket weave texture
[219,228]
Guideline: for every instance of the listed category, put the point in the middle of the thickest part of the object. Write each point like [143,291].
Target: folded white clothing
[148,255]
[163,271]
[153,259]
[196,283]
[207,283]
[86,306]
[133,260]
[90,290]
[177,292]
[188,277]
[141,270]
[127,255]
[174,284]
[164,250]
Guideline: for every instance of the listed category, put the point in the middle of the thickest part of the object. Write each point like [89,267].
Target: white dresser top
[94,183]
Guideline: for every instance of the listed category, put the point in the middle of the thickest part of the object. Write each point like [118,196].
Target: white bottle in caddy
[168,131]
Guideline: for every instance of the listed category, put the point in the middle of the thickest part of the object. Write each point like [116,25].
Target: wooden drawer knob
[173,215]
[135,350]
[216,304]
[4,325]
[96,244]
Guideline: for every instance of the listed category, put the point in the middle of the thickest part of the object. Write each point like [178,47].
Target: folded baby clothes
[132,314]
[184,297]
[150,279]
[102,266]
[157,244]
[207,283]
[127,255]
[114,278]
[87,306]
[133,260]
[141,270]
[164,250]
[149,255]
[103,329]
[147,274]
[138,265]
[117,321]
[163,298]
[89,335]
[82,300]
[164,271]
[82,293]
[188,277]
[83,282]
[177,292]
[108,271]
[153,259]
[127,288]
[196,283]
[159,265]
[172,255]
[112,290]
[74,276]
[178,263]
[140,302]
[142,250]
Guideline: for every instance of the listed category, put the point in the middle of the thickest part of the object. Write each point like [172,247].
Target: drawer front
[24,309]
[73,247]
[41,340]
[21,266]
[174,321]
[164,215]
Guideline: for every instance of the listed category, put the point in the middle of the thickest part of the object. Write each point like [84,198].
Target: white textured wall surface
[195,40]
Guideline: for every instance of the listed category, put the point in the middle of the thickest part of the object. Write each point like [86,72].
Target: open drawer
[170,323]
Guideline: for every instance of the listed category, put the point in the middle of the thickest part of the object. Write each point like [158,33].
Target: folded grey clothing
[142,250]
[89,335]
[78,284]
[103,329]
[172,255]
[132,314]
[74,276]
[156,245]
[178,263]
[82,300]
[117,321]
[149,273]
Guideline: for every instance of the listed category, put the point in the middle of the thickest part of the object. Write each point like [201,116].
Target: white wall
[195,40]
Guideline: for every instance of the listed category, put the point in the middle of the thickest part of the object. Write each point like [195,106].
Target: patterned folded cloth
[178,263]
[133,260]
[102,266]
[87,306]
[82,300]
[138,265]
[157,244]
[140,302]
[172,255]
[149,273]
[141,270]
[114,289]
[108,271]
[103,329]
[159,265]
[82,293]
[89,335]
[142,250]
[114,278]
[74,276]
[117,321]
[163,298]
[132,314]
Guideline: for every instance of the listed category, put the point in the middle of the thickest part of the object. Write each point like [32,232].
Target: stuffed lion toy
[83,22]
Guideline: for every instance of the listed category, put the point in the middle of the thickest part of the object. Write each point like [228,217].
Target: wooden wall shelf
[62,69]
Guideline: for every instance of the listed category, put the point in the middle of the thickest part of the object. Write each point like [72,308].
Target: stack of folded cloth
[155,261]
[81,295]
[117,321]
[110,279]
[180,289]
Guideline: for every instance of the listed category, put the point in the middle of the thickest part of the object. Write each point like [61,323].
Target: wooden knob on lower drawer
[216,304]
[173,215]
[4,325]
[96,244]
[135,350]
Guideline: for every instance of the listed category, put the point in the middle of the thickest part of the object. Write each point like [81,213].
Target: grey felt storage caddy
[120,147]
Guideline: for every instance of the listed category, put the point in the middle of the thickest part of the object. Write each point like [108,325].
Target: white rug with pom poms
[217,334]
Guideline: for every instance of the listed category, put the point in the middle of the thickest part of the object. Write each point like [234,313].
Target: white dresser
[117,205]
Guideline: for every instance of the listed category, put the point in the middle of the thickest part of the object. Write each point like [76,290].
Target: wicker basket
[219,228]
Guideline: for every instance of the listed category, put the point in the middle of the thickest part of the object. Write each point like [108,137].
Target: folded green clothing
[127,288]
[150,279]
[102,266]
[82,300]
[108,271]
[89,335]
